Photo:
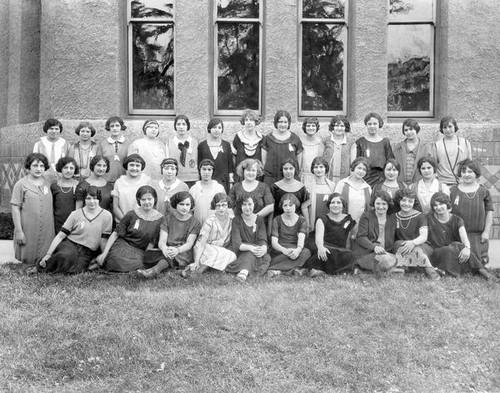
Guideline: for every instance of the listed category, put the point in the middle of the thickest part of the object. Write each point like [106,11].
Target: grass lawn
[116,333]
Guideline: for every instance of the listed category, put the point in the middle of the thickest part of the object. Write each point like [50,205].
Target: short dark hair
[134,158]
[92,191]
[63,161]
[96,159]
[219,197]
[213,122]
[32,157]
[471,164]
[249,162]
[385,196]
[320,160]
[376,116]
[360,160]
[206,162]
[339,119]
[115,119]
[170,161]
[289,197]
[394,163]
[313,120]
[251,114]
[427,159]
[245,196]
[406,193]
[146,190]
[282,113]
[447,120]
[440,197]
[85,124]
[182,117]
[336,195]
[292,161]
[179,197]
[51,122]
[410,123]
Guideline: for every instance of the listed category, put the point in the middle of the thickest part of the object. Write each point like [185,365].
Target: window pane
[410,49]
[237,8]
[153,66]
[411,10]
[152,9]
[323,66]
[332,9]
[238,65]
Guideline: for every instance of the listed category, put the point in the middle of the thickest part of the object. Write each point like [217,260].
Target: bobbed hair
[376,116]
[289,197]
[385,196]
[93,191]
[218,198]
[336,195]
[52,123]
[63,161]
[206,162]
[182,117]
[146,190]
[360,160]
[440,197]
[248,162]
[115,119]
[309,120]
[291,161]
[406,193]
[249,114]
[429,160]
[213,122]
[394,163]
[134,158]
[85,124]
[170,161]
[93,162]
[468,163]
[180,196]
[447,120]
[282,113]
[339,119]
[243,198]
[410,123]
[32,157]
[320,161]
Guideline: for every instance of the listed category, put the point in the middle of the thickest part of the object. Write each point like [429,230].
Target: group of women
[274,204]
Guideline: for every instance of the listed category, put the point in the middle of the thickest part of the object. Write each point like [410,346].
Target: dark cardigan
[368,233]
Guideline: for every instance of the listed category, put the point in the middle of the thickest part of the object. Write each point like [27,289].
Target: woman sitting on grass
[83,233]
[333,234]
[288,236]
[212,248]
[134,233]
[178,232]
[249,241]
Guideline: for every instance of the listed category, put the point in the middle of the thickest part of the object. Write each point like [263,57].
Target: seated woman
[411,234]
[178,232]
[333,240]
[168,185]
[249,241]
[134,233]
[212,247]
[390,182]
[83,233]
[448,238]
[376,234]
[287,238]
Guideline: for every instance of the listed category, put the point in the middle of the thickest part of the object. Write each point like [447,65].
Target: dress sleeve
[302,225]
[17,197]
[363,232]
[268,196]
[69,224]
[388,149]
[80,190]
[298,144]
[195,227]
[107,225]
[488,204]
[207,227]
[265,145]
[236,239]
[121,228]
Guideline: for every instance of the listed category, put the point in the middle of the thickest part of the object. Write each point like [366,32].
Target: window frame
[215,58]
[130,61]
[432,61]
[326,21]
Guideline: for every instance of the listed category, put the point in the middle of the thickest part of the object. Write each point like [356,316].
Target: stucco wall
[4,62]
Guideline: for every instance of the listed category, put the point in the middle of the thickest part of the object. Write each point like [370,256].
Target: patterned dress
[408,228]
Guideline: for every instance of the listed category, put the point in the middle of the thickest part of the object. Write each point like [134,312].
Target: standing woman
[99,166]
[168,185]
[150,148]
[84,149]
[83,233]
[114,148]
[428,185]
[52,146]
[313,147]
[448,238]
[219,151]
[449,151]
[32,214]
[137,229]
[337,151]
[472,201]
[247,143]
[390,182]
[408,152]
[279,145]
[376,149]
[64,191]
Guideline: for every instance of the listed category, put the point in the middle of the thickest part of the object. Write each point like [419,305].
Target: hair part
[180,196]
[134,158]
[470,164]
[310,120]
[291,198]
[218,198]
[427,159]
[445,121]
[319,160]
[93,162]
[51,122]
[250,114]
[375,115]
[143,190]
[213,122]
[182,117]
[63,161]
[336,195]
[412,124]
[282,113]
[85,124]
[440,197]
[360,160]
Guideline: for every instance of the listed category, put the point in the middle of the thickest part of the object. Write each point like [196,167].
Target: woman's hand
[259,251]
[406,247]
[294,253]
[43,261]
[485,236]
[171,252]
[379,250]
[322,251]
[464,255]
[20,238]
[100,259]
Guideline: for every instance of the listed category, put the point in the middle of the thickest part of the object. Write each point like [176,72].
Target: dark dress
[446,242]
[301,194]
[64,201]
[340,259]
[377,154]
[244,149]
[255,235]
[261,193]
[106,199]
[277,151]
[223,163]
